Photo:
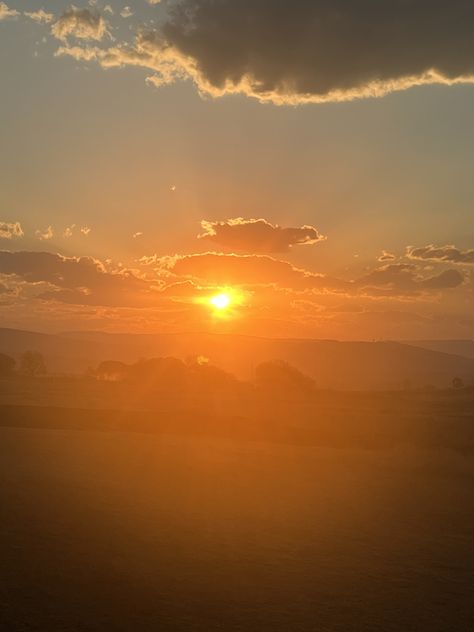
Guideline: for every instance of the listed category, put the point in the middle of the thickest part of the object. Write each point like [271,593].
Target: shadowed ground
[124,531]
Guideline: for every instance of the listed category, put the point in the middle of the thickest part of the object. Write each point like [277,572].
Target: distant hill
[344,365]
[457,347]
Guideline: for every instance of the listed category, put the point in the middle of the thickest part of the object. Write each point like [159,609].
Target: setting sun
[220,301]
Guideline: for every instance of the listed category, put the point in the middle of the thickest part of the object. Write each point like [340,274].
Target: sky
[311,160]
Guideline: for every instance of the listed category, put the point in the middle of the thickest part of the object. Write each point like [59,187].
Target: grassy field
[353,513]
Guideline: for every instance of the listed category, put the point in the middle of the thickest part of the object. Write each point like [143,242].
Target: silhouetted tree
[458,383]
[159,374]
[7,365]
[281,378]
[32,364]
[112,371]
[207,378]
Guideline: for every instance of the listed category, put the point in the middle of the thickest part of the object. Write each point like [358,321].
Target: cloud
[70,230]
[255,271]
[257,235]
[404,278]
[126,12]
[386,256]
[83,24]
[446,280]
[10,230]
[6,12]
[231,269]
[45,235]
[77,280]
[40,16]
[296,51]
[447,254]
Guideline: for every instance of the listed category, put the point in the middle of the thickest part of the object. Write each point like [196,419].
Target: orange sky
[146,168]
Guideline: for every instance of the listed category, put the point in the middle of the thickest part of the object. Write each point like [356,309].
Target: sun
[220,301]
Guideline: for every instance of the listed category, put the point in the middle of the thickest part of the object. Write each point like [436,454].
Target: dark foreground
[105,529]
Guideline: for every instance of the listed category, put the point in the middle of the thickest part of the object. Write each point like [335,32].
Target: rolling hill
[344,365]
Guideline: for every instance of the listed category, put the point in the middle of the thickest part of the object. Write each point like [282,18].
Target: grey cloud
[218,268]
[257,235]
[444,281]
[404,278]
[297,50]
[80,280]
[448,254]
[301,51]
[392,280]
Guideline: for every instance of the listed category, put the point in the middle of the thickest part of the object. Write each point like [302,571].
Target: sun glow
[221,301]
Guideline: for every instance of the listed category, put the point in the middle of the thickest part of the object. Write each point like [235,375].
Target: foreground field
[138,521]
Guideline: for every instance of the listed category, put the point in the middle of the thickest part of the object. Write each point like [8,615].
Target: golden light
[220,301]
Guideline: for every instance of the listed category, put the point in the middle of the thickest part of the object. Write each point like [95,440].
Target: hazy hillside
[458,347]
[333,364]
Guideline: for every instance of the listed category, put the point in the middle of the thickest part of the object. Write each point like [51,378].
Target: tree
[281,378]
[32,364]
[7,365]
[112,371]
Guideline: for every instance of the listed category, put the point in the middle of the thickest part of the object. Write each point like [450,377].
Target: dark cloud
[257,235]
[295,51]
[446,280]
[232,269]
[79,280]
[300,50]
[448,254]
[404,278]
[391,280]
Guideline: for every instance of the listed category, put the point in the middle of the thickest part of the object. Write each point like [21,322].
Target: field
[150,520]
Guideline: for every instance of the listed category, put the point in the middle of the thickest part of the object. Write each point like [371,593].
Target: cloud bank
[294,51]
[77,280]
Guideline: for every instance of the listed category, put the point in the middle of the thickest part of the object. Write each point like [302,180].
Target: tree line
[31,364]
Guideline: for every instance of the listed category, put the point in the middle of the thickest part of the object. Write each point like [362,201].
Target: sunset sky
[313,165]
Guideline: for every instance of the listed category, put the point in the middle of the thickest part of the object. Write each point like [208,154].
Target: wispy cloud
[387,256]
[10,230]
[6,12]
[126,12]
[84,24]
[40,16]
[46,234]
